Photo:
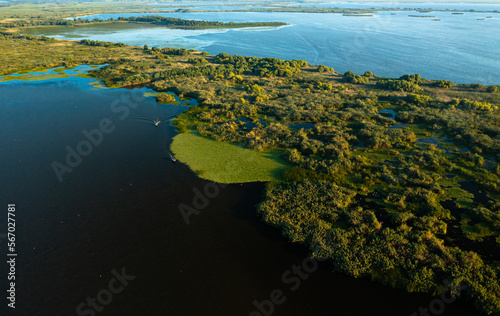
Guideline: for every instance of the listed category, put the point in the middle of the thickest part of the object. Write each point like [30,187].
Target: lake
[460,48]
[118,209]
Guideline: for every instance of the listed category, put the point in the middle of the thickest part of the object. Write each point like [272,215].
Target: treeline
[351,77]
[153,19]
[167,51]
[177,22]
[26,23]
[15,36]
[406,83]
[472,124]
[262,67]
[100,43]
[223,66]
[309,10]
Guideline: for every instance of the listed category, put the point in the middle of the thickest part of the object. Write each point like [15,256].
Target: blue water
[459,47]
[406,5]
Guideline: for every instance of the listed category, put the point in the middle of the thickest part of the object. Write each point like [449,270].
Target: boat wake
[155,120]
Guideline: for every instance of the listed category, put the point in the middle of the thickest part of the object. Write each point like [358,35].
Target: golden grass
[24,55]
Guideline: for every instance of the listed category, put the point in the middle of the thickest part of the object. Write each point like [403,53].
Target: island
[15,24]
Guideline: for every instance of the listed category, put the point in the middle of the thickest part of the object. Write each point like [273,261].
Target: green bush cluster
[369,197]
[399,85]
[327,218]
[418,99]
[100,43]
[177,22]
[323,68]
[473,105]
[354,78]
[443,84]
[197,61]
[492,89]
[263,67]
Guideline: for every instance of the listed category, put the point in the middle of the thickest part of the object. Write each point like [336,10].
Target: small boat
[157,122]
[173,158]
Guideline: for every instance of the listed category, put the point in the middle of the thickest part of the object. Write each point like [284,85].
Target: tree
[412,78]
[444,84]
[323,68]
[354,78]
[492,89]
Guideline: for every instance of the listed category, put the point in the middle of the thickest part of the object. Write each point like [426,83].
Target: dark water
[119,209]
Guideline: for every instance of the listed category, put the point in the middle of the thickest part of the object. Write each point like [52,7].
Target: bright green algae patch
[226,163]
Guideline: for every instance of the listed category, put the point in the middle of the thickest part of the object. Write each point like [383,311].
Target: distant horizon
[395,2]
[282,1]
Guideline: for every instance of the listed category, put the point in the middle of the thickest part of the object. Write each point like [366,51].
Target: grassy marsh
[226,163]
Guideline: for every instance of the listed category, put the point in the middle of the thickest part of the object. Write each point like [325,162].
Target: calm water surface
[119,209]
[459,47]
[407,5]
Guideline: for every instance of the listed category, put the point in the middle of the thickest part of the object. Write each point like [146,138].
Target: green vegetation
[31,11]
[346,11]
[407,83]
[492,89]
[354,78]
[101,43]
[226,163]
[408,206]
[444,84]
[192,24]
[165,98]
[17,24]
